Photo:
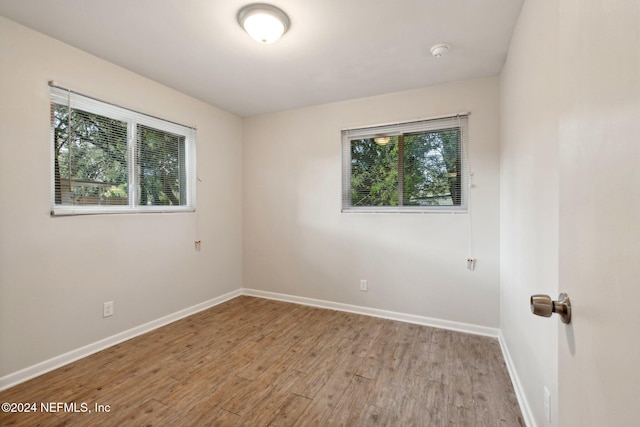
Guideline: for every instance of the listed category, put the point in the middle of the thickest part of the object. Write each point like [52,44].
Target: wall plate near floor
[547,404]
[107,309]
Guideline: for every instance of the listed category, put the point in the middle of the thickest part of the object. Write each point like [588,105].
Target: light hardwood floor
[257,362]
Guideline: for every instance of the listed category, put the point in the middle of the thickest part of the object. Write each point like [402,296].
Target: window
[406,167]
[107,159]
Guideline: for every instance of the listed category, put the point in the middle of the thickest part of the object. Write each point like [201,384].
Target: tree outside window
[414,169]
[113,159]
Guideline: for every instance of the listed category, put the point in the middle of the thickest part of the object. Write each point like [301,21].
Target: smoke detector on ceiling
[439,50]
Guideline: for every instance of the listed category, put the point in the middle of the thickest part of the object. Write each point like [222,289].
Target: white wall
[55,273]
[297,242]
[529,201]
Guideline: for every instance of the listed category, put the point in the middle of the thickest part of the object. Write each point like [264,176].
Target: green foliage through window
[108,156]
[90,158]
[161,167]
[411,167]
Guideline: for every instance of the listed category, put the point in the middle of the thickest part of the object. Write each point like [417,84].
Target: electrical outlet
[547,403]
[107,309]
[363,285]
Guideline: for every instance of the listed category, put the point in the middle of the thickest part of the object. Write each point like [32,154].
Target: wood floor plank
[353,401]
[263,407]
[290,412]
[259,362]
[372,415]
[393,365]
[340,354]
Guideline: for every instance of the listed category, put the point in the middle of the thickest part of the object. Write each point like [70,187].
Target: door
[599,143]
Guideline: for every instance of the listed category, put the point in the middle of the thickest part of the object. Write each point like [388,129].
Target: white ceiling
[334,50]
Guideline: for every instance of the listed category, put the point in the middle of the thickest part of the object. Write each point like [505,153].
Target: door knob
[543,305]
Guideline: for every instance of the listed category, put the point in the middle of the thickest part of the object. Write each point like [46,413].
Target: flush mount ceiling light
[265,23]
[439,50]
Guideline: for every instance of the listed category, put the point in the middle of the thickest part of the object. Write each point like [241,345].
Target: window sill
[96,210]
[408,209]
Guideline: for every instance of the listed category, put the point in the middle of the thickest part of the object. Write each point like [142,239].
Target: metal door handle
[543,305]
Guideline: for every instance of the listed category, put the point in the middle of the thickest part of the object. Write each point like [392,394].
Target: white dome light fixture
[265,23]
[439,49]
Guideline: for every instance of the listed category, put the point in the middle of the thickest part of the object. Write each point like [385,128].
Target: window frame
[74,100]
[459,120]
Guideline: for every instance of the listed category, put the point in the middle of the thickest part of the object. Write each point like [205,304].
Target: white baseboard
[525,408]
[64,359]
[392,315]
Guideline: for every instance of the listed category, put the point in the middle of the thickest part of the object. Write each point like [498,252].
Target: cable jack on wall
[471,264]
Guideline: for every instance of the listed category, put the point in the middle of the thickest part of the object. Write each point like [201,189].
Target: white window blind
[108,159]
[418,166]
